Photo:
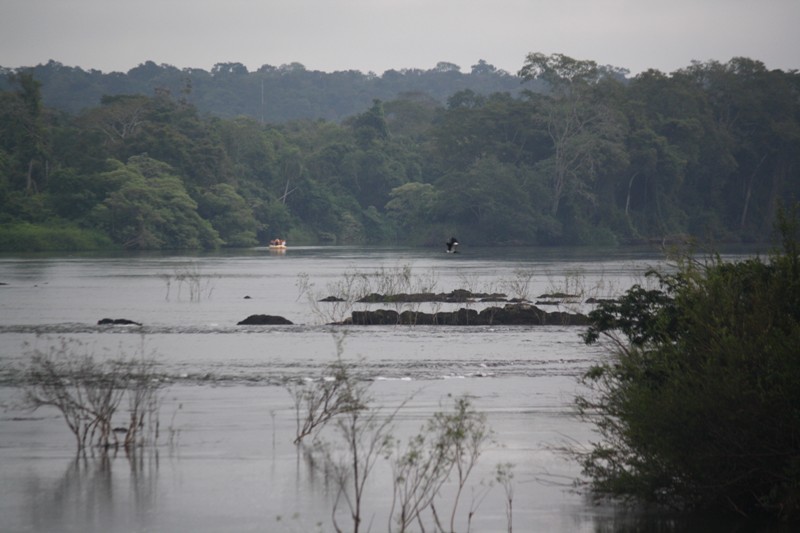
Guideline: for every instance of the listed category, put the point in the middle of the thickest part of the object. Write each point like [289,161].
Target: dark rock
[379,317]
[462,317]
[332,299]
[600,300]
[460,295]
[247,297]
[369,298]
[526,314]
[509,315]
[264,320]
[559,296]
[117,322]
[456,296]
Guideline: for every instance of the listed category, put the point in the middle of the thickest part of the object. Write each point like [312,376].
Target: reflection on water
[118,492]
[97,492]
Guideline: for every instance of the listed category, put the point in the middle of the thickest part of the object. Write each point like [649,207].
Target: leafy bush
[699,406]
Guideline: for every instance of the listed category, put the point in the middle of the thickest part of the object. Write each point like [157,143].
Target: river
[225,458]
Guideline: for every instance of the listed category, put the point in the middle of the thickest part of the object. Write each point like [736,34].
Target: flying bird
[452,245]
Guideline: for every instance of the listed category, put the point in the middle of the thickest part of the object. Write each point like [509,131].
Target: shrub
[447,449]
[699,405]
[88,392]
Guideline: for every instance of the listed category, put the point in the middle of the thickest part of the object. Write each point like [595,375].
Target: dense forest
[564,152]
[269,94]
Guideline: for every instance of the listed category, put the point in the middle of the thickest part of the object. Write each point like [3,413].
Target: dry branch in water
[88,392]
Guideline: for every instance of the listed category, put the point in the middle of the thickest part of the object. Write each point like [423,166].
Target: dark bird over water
[452,245]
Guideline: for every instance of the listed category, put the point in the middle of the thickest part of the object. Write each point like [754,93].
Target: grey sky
[377,35]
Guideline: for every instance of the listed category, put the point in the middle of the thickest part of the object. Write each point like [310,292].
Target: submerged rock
[264,320]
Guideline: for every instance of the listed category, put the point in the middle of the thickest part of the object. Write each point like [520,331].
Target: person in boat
[452,245]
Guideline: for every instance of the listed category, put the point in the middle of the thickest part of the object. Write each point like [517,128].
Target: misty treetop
[573,153]
[270,93]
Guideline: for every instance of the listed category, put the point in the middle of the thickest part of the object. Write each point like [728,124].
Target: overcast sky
[378,35]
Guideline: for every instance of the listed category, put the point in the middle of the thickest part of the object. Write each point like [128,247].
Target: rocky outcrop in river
[117,322]
[264,320]
[456,296]
[519,314]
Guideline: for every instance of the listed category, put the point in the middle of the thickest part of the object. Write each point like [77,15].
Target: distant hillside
[269,94]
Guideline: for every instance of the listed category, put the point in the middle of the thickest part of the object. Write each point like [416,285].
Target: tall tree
[756,110]
[152,210]
[578,127]
[30,145]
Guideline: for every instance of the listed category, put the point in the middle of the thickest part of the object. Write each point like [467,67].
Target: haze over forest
[270,93]
[564,151]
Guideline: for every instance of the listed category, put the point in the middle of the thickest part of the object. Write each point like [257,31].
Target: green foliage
[559,71]
[23,136]
[370,127]
[699,405]
[229,215]
[23,237]
[73,196]
[488,203]
[151,210]
[596,158]
[410,208]
[274,94]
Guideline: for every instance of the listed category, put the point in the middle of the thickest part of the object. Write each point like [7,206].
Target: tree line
[268,94]
[581,154]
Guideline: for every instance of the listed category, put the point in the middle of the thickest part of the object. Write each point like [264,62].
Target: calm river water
[225,460]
